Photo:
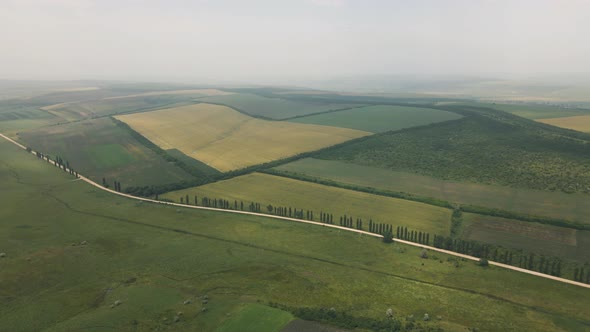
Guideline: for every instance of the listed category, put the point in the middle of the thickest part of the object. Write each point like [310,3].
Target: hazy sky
[289,39]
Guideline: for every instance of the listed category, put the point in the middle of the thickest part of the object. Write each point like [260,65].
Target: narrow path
[448,252]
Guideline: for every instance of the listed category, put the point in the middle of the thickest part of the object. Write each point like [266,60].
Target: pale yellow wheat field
[227,140]
[579,122]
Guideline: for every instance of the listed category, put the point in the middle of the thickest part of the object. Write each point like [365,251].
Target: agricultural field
[131,266]
[75,111]
[228,140]
[483,147]
[16,116]
[10,89]
[11,128]
[274,108]
[61,104]
[192,93]
[532,202]
[279,191]
[547,240]
[108,90]
[103,107]
[579,123]
[379,118]
[77,96]
[533,111]
[17,110]
[99,148]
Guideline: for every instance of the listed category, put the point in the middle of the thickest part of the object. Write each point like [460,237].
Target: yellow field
[579,122]
[227,140]
[275,190]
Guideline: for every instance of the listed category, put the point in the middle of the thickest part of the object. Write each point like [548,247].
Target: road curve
[448,252]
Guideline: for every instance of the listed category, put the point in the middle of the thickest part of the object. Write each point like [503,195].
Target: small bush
[424,254]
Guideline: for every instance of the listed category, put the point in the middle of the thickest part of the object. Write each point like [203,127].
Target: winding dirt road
[506,266]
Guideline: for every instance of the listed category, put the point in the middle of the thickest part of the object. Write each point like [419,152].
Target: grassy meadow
[579,123]
[279,191]
[533,202]
[227,140]
[83,259]
[379,118]
[256,317]
[99,148]
[274,108]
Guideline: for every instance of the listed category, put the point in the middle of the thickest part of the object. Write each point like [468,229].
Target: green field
[109,155]
[533,202]
[484,147]
[273,108]
[279,191]
[255,317]
[380,118]
[13,110]
[99,148]
[547,240]
[152,258]
[530,110]
[16,115]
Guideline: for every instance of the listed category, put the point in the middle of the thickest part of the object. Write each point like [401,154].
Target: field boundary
[262,117]
[324,112]
[452,253]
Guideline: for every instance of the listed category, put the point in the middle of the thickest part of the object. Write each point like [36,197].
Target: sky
[282,40]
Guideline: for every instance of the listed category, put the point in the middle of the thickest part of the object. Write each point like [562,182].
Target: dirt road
[506,266]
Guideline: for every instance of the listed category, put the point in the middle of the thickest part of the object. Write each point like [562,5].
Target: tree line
[432,201]
[116,184]
[345,320]
[531,261]
[413,236]
[58,162]
[554,266]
